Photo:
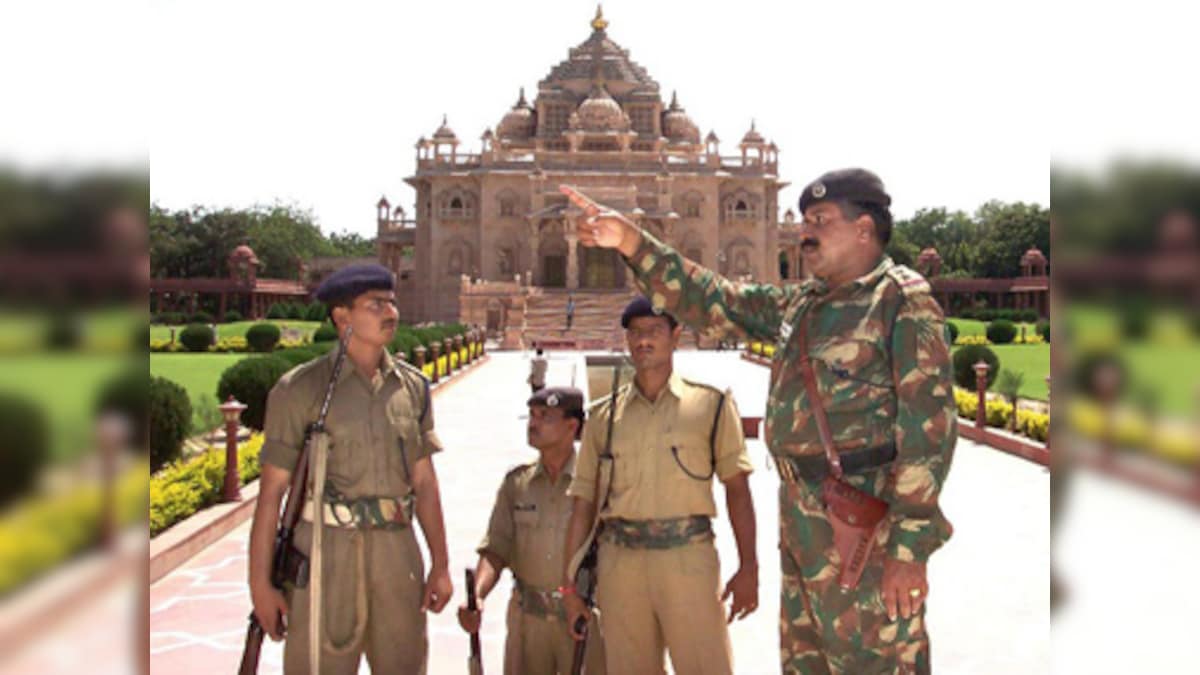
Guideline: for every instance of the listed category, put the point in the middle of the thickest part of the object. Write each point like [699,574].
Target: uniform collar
[568,469]
[819,287]
[675,385]
[387,365]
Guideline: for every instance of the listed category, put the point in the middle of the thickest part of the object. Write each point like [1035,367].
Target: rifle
[585,574]
[475,662]
[287,562]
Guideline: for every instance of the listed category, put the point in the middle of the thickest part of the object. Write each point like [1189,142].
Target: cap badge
[552,400]
[818,190]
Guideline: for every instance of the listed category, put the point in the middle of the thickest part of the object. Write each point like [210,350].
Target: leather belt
[794,468]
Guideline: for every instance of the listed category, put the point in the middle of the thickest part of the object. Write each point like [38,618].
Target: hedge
[1033,424]
[1001,331]
[41,533]
[185,487]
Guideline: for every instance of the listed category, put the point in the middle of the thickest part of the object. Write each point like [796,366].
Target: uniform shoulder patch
[910,281]
[404,366]
[518,469]
[702,385]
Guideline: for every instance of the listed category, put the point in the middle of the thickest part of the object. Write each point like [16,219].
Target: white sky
[319,104]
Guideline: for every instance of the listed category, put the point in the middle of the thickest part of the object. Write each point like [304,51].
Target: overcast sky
[320,105]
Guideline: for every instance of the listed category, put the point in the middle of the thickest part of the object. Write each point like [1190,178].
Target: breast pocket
[690,455]
[854,374]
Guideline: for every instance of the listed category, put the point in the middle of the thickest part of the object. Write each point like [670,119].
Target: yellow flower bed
[230,344]
[1029,423]
[453,361]
[45,531]
[463,355]
[164,345]
[768,350]
[972,340]
[428,370]
[1131,429]
[185,487]
[1030,339]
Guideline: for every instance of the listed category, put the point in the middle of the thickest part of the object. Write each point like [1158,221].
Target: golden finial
[599,23]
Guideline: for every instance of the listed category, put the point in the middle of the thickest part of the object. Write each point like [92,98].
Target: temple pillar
[572,260]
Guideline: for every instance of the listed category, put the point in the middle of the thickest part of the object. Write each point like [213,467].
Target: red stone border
[183,540]
[1014,445]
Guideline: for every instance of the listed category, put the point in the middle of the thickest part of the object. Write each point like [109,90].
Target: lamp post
[231,410]
[981,373]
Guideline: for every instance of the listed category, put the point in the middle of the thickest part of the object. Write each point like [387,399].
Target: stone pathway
[988,606]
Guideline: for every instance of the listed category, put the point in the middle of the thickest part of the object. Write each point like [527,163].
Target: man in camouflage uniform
[525,534]
[380,469]
[877,344]
[658,580]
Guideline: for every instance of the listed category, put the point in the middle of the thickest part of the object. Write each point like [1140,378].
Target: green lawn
[65,386]
[1033,361]
[238,328]
[197,373]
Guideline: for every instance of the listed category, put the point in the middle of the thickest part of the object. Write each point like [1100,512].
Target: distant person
[537,371]
[570,310]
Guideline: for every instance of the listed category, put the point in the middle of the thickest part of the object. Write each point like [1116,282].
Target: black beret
[852,185]
[354,280]
[641,306]
[568,399]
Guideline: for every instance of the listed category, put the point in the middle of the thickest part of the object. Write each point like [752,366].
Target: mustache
[810,241]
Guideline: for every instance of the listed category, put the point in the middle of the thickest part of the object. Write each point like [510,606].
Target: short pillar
[231,410]
[981,377]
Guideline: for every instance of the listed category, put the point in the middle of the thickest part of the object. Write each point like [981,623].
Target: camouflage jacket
[878,346]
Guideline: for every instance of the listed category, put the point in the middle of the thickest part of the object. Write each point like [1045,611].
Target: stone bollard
[981,373]
[402,356]
[437,353]
[482,339]
[232,411]
[458,347]
[448,348]
[419,355]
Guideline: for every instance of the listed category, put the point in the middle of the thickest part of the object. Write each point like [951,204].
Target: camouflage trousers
[823,629]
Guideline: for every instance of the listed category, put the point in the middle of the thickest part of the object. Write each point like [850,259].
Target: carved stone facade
[598,122]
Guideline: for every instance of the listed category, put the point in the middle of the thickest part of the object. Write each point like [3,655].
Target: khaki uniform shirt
[379,427]
[528,528]
[648,482]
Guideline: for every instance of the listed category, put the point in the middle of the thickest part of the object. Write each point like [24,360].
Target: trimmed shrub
[1001,331]
[196,337]
[128,395]
[296,356]
[964,360]
[262,337]
[1135,322]
[277,311]
[64,333]
[24,445]
[953,330]
[249,381]
[1027,315]
[201,317]
[327,333]
[170,416]
[1043,329]
[316,312]
[295,311]
[232,316]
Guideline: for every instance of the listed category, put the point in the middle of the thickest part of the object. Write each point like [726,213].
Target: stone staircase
[597,323]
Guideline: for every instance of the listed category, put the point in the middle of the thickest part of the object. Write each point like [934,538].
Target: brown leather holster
[856,517]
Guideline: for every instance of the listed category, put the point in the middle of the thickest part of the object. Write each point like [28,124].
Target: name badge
[785,329]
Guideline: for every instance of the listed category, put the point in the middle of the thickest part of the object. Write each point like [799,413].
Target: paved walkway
[987,609]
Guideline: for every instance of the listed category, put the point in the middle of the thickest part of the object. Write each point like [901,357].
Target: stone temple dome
[599,112]
[518,122]
[678,126]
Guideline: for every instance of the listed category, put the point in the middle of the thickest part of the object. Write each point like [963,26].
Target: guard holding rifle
[369,586]
[644,481]
[526,533]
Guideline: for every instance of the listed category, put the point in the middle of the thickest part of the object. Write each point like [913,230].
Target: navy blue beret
[352,281]
[851,185]
[641,306]
[568,399]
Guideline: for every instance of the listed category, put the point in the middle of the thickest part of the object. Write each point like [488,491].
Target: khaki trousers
[651,599]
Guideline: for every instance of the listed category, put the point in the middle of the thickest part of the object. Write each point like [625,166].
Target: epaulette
[703,385]
[911,283]
[518,469]
[401,363]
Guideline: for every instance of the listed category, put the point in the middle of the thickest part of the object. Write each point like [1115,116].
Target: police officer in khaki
[380,471]
[526,534]
[658,577]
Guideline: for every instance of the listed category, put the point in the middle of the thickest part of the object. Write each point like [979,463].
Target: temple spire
[599,23]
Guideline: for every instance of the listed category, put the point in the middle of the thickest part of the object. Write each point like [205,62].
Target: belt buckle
[342,513]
